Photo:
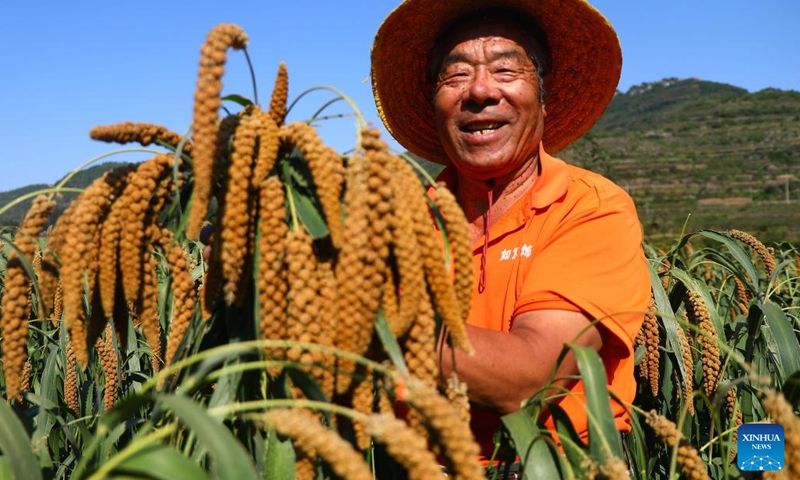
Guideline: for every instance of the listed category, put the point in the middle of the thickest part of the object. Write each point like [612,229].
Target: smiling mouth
[483,128]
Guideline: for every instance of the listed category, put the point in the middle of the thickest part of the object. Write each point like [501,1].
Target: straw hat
[585,67]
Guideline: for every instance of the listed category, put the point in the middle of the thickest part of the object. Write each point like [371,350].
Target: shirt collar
[549,187]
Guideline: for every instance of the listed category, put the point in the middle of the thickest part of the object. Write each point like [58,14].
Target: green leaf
[309,215]
[6,473]
[738,253]
[390,345]
[48,391]
[788,359]
[667,320]
[245,102]
[637,445]
[229,458]
[280,457]
[536,457]
[791,389]
[571,442]
[161,462]
[128,407]
[227,385]
[16,447]
[604,441]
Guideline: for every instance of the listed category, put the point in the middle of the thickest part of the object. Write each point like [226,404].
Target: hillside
[728,158]
[711,153]
[81,179]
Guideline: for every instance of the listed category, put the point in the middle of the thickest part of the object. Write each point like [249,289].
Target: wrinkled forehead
[492,23]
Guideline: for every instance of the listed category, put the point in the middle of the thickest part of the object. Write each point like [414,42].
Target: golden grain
[147,310]
[456,391]
[782,413]
[405,446]
[410,273]
[688,364]
[734,417]
[142,133]
[25,383]
[314,438]
[651,340]
[207,103]
[363,399]
[419,346]
[698,314]
[354,323]
[326,170]
[49,284]
[689,459]
[613,469]
[268,146]
[433,262]
[184,296]
[458,236]
[767,258]
[448,430]
[137,213]
[233,237]
[328,293]
[108,256]
[304,307]
[280,95]
[272,286]
[742,295]
[71,395]
[109,362]
[16,298]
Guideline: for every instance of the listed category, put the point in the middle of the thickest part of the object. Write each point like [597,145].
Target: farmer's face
[486,100]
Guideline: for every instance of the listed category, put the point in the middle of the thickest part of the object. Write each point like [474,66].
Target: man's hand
[509,367]
[207,236]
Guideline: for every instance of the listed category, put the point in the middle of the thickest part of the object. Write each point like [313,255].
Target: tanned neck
[473,195]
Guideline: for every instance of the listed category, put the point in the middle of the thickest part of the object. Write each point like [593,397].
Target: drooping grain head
[312,438]
[688,459]
[141,133]
[405,446]
[16,298]
[767,258]
[233,236]
[698,313]
[207,101]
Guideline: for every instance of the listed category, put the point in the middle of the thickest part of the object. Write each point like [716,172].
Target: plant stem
[100,157]
[252,76]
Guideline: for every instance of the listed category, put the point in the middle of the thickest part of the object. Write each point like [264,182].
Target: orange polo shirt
[574,242]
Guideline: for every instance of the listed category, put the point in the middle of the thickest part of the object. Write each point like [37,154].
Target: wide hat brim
[586,62]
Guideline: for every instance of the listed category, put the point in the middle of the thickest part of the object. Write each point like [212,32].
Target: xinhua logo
[760,447]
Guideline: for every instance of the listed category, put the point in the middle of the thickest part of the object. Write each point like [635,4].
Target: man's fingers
[206,234]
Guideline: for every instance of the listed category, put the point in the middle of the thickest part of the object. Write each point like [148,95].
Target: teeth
[483,129]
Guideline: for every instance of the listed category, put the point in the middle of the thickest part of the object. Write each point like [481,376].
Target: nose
[482,89]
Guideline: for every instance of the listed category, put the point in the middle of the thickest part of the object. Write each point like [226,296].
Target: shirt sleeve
[589,258]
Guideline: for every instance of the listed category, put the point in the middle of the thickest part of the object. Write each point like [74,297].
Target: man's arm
[509,367]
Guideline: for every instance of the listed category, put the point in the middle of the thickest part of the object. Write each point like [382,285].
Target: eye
[453,74]
[505,73]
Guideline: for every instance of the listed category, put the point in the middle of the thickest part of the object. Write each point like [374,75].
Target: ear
[544,111]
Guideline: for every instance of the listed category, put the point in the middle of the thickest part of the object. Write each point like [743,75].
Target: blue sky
[69,66]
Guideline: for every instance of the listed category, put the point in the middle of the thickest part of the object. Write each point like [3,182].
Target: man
[491,88]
